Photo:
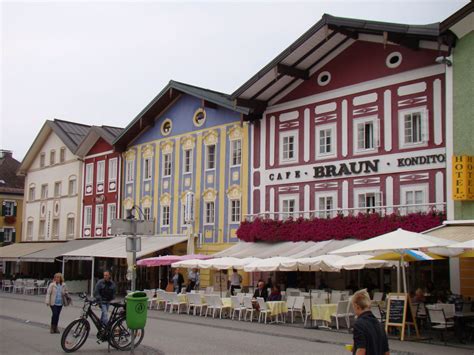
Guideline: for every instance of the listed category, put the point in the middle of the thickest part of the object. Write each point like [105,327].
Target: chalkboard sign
[400,313]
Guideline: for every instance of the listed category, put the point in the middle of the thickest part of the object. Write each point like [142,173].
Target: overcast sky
[102,62]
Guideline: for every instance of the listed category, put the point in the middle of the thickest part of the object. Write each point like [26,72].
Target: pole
[398,275]
[404,274]
[134,276]
[62,271]
[92,277]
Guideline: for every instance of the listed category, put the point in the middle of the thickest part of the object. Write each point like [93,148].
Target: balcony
[358,223]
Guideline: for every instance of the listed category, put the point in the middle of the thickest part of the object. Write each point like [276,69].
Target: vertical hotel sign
[463,177]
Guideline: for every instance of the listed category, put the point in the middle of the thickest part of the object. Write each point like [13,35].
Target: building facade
[188,142]
[354,122]
[11,198]
[102,181]
[53,183]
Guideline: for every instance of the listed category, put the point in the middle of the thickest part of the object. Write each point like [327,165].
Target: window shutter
[14,208]
[3,208]
[377,132]
[424,126]
[361,200]
[378,199]
[13,236]
[2,234]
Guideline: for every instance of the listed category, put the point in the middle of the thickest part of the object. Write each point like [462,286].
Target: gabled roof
[301,58]
[70,133]
[107,133]
[166,96]
[461,22]
[10,183]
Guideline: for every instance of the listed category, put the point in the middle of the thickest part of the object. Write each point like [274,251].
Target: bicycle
[116,332]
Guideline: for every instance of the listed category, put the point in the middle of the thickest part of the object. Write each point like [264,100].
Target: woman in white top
[235,281]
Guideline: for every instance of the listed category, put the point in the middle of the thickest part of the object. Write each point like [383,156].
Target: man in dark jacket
[261,291]
[104,293]
[369,334]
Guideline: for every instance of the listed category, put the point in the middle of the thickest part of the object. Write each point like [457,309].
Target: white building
[53,181]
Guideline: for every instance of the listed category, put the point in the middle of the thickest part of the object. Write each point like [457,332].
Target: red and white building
[350,118]
[101,181]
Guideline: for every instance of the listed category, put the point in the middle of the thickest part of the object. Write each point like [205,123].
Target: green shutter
[3,209]
[14,208]
[1,235]
[14,235]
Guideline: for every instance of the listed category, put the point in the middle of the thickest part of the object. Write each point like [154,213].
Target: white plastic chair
[335,297]
[378,296]
[248,307]
[297,308]
[307,310]
[18,286]
[263,309]
[41,286]
[210,304]
[219,306]
[7,285]
[342,312]
[237,306]
[175,302]
[438,321]
[192,302]
[30,287]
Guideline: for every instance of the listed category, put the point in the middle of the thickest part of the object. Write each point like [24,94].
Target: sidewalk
[288,331]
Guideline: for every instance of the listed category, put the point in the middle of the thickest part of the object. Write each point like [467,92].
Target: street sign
[134,244]
[126,227]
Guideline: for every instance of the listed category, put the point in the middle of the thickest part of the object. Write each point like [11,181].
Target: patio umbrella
[397,241]
[359,262]
[269,264]
[323,263]
[187,264]
[169,259]
[227,262]
[467,246]
[409,256]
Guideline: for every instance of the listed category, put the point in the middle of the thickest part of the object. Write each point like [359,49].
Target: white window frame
[89,174]
[72,182]
[52,157]
[129,171]
[10,234]
[113,164]
[283,135]
[87,213]
[413,188]
[70,234]
[42,160]
[209,219]
[44,187]
[99,216]
[57,190]
[42,231]
[32,193]
[333,128]
[189,164]
[110,215]
[163,214]
[231,211]
[62,155]
[287,197]
[323,212]
[55,231]
[30,225]
[208,146]
[100,172]
[167,164]
[376,135]
[424,127]
[147,169]
[233,150]
[147,213]
[11,207]
[368,190]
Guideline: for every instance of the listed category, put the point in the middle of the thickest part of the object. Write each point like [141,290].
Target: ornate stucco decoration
[130,154]
[188,142]
[235,133]
[147,151]
[167,147]
[209,195]
[211,137]
[183,195]
[165,199]
[128,203]
[234,192]
[146,202]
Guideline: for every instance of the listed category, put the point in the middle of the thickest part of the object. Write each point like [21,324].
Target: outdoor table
[277,308]
[226,301]
[323,311]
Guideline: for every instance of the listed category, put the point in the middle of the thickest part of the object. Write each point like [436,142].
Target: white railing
[382,210]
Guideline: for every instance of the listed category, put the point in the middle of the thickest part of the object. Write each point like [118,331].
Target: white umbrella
[269,264]
[358,262]
[187,264]
[229,262]
[325,263]
[396,241]
[469,244]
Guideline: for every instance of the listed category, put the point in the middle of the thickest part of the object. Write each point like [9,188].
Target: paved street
[181,334]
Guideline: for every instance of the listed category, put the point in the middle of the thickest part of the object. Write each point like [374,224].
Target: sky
[102,62]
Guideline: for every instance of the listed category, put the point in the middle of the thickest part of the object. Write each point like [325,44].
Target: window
[147,213]
[70,227]
[52,157]
[72,188]
[32,193]
[55,229]
[57,189]
[165,216]
[167,164]
[42,160]
[369,200]
[8,234]
[111,213]
[9,208]
[62,155]
[326,141]
[113,169]
[211,157]
[413,126]
[166,127]
[210,210]
[129,170]
[414,195]
[234,211]
[188,161]
[288,207]
[99,215]
[325,204]
[44,191]
[42,229]
[87,216]
[89,174]
[288,147]
[366,134]
[29,230]
[147,169]
[100,172]
[199,117]
[236,152]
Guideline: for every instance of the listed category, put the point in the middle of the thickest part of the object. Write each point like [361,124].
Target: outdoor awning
[116,248]
[288,249]
[15,251]
[455,232]
[50,254]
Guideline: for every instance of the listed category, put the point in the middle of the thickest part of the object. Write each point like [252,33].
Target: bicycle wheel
[75,335]
[121,337]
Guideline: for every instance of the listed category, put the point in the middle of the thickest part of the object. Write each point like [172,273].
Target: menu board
[396,309]
[399,313]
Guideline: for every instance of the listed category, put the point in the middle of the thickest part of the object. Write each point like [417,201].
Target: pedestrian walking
[104,293]
[193,280]
[178,281]
[57,296]
[369,335]
[235,281]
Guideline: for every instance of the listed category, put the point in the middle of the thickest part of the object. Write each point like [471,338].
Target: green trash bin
[137,307]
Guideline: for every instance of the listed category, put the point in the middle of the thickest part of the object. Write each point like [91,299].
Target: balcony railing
[331,213]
